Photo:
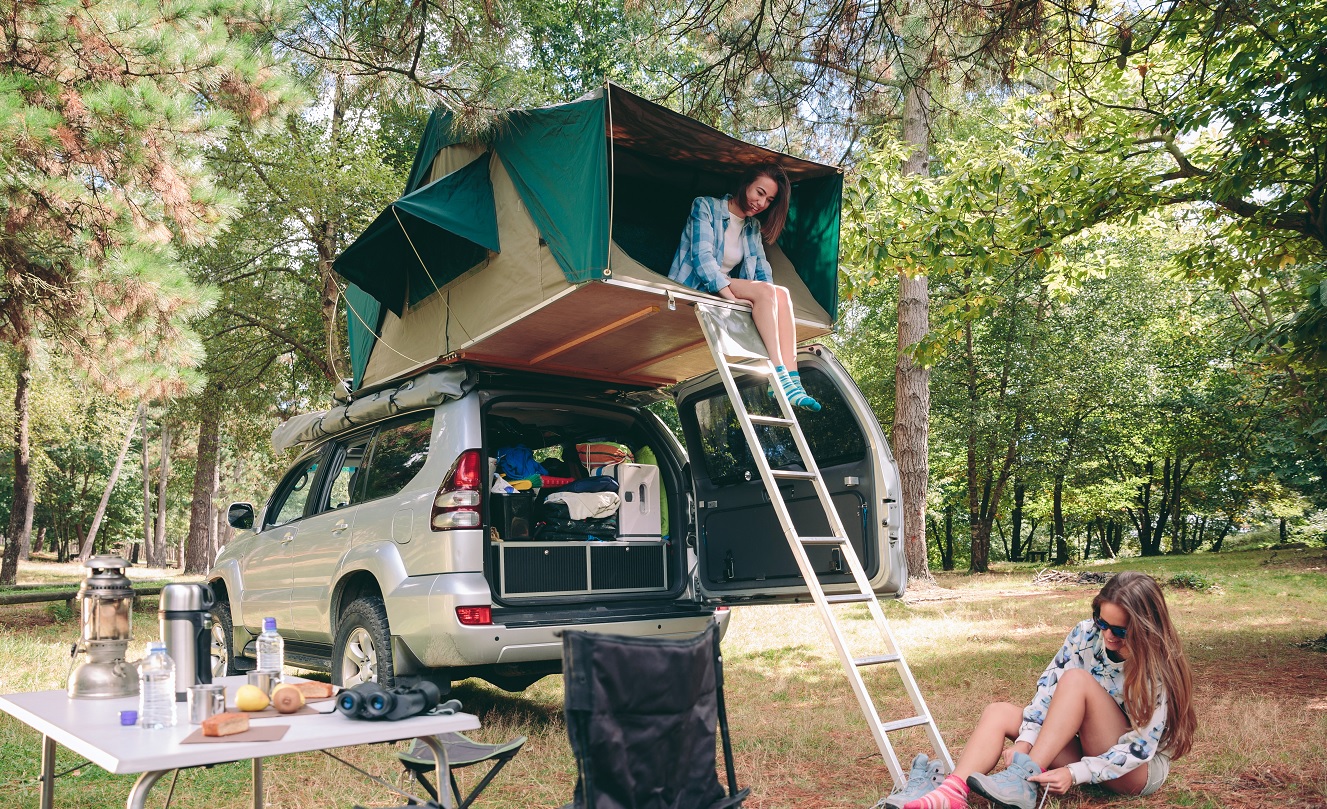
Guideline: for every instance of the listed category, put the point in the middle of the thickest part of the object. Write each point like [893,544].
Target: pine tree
[105,107]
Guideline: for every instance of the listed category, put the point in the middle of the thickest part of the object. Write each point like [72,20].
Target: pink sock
[952,794]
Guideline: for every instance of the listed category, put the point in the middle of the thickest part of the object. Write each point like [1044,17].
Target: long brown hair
[775,216]
[1156,658]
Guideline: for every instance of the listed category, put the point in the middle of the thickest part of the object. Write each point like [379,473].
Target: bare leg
[787,331]
[998,722]
[1082,714]
[764,310]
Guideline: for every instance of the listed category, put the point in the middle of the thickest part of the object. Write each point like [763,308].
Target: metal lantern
[107,602]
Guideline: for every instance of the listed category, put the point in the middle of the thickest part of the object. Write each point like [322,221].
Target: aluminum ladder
[736,346]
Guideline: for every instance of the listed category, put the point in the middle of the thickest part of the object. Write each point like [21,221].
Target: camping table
[92,729]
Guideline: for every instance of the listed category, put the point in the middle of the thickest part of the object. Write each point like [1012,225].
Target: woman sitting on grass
[1113,708]
[723,253]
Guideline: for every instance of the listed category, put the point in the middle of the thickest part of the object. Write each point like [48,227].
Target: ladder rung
[780,473]
[772,420]
[822,540]
[912,722]
[749,369]
[876,660]
[849,598]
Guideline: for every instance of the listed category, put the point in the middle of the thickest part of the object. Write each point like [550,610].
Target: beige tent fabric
[523,277]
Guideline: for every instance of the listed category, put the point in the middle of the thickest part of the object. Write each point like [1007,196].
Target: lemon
[251,698]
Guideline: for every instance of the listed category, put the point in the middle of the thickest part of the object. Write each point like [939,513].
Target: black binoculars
[372,701]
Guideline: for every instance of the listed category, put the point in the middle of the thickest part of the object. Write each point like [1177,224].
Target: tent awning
[425,239]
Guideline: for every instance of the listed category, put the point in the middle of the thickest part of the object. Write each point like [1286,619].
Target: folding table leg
[47,772]
[441,772]
[257,783]
[138,795]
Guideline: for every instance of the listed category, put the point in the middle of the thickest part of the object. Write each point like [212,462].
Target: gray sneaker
[1011,788]
[922,778]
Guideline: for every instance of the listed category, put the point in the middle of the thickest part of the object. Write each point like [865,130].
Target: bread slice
[314,690]
[225,724]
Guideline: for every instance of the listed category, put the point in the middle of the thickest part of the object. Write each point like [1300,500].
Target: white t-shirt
[732,243]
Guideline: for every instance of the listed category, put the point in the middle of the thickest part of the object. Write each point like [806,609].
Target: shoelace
[1045,793]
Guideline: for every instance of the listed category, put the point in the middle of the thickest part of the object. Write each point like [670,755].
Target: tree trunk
[163,480]
[1016,540]
[197,556]
[147,493]
[1057,516]
[912,382]
[1087,539]
[91,538]
[20,511]
[1221,536]
[1284,533]
[947,556]
[39,544]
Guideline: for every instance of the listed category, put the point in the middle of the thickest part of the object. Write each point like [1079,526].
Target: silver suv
[383,553]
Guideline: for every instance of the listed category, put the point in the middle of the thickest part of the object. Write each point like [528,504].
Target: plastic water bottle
[271,647]
[156,689]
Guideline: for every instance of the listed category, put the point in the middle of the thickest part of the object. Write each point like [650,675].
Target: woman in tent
[1113,708]
[723,253]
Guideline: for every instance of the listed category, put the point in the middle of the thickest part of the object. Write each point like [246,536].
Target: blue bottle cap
[128,717]
[269,624]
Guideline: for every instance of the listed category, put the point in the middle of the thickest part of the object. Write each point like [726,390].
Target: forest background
[1083,243]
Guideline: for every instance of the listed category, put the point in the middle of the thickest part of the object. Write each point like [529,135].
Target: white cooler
[640,515]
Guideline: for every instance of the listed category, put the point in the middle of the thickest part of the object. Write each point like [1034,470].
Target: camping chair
[641,716]
[461,752]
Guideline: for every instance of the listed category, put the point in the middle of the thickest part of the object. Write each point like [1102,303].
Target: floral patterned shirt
[1084,649]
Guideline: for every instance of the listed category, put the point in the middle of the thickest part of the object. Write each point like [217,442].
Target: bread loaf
[314,690]
[225,724]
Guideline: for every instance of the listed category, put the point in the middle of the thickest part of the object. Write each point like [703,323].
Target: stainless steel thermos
[186,629]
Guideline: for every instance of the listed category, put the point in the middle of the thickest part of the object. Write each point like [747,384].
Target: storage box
[512,514]
[537,569]
[640,515]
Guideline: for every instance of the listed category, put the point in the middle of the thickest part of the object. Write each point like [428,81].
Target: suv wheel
[363,648]
[223,636]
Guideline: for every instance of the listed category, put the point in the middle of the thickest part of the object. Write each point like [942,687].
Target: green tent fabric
[810,238]
[558,159]
[363,322]
[437,136]
[425,239]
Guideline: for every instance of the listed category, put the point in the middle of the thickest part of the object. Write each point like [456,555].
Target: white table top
[91,728]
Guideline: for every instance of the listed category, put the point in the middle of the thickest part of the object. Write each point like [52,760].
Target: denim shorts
[1157,770]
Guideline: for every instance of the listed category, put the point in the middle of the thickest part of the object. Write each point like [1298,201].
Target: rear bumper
[422,613]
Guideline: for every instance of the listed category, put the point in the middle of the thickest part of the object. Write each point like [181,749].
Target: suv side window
[832,433]
[399,451]
[346,477]
[293,494]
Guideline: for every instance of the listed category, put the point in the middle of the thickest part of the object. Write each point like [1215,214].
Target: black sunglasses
[1118,631]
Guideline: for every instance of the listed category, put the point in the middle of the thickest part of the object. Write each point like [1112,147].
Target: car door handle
[288,537]
[340,526]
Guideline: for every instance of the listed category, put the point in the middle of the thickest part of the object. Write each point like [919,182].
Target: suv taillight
[457,502]
[474,616]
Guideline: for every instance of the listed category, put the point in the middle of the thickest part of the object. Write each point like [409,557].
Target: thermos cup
[186,629]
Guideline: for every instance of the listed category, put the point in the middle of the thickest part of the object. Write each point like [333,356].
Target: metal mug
[265,679]
[208,699]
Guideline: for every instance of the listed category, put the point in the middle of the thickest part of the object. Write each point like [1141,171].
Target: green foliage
[1188,580]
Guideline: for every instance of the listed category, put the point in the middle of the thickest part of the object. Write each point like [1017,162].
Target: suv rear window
[398,453]
[833,433]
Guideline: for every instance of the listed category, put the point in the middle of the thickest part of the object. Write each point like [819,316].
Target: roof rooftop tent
[546,247]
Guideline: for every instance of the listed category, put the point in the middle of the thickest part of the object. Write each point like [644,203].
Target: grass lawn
[800,742]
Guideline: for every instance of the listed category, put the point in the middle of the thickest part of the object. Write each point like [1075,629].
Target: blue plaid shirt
[697,263]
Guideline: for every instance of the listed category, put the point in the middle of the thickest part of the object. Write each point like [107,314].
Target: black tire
[223,641]
[363,648]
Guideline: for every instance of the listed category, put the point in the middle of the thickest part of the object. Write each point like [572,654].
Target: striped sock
[791,383]
[952,794]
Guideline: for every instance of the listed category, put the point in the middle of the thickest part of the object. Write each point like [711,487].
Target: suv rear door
[742,553]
